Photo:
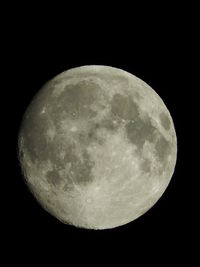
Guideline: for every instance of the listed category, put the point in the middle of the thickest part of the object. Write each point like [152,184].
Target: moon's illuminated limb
[97,147]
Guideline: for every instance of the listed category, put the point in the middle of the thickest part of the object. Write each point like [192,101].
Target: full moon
[97,147]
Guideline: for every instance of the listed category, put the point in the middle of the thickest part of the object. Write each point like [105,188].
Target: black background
[40,45]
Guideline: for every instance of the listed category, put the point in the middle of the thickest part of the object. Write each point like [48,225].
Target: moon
[97,147]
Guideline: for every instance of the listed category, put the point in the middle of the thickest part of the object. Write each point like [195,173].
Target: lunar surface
[97,147]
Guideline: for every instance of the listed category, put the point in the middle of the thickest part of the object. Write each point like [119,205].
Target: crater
[164,120]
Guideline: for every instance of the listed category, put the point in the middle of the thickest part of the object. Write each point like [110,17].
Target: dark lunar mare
[139,130]
[75,102]
[165,121]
